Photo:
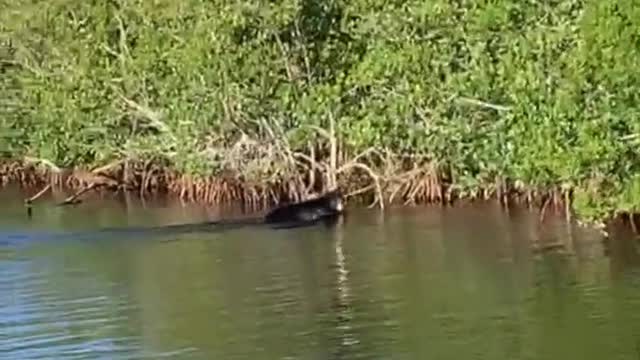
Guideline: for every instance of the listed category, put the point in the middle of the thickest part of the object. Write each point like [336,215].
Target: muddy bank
[155,181]
[419,186]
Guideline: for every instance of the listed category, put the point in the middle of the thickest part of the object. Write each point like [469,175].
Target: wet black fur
[326,207]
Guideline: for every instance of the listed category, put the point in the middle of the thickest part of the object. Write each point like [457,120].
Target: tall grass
[543,95]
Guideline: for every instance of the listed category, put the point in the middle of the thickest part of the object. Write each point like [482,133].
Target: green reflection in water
[457,283]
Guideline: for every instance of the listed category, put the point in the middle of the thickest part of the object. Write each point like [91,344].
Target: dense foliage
[544,92]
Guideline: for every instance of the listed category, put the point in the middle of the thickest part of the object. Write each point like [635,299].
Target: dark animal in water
[327,207]
[324,209]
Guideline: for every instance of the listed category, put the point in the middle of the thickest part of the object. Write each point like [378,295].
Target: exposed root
[543,210]
[74,199]
[379,199]
[632,222]
[28,202]
[38,194]
[260,172]
[357,192]
[30,172]
[421,184]
[291,182]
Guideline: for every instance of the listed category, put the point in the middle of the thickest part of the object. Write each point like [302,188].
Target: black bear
[326,207]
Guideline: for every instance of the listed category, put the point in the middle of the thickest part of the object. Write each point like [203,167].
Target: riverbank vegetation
[413,101]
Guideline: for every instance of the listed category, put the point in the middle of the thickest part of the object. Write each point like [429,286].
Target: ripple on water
[409,287]
[38,320]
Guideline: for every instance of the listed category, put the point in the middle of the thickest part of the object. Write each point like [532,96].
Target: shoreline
[214,189]
[268,110]
[223,190]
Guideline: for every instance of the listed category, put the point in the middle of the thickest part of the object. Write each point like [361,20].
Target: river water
[412,283]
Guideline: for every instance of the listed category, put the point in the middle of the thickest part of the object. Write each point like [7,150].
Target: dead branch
[360,191]
[374,177]
[30,200]
[49,164]
[334,152]
[73,198]
[107,167]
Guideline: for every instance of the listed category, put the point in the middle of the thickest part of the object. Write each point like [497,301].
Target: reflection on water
[457,283]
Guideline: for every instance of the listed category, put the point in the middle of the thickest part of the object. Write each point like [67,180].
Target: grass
[424,101]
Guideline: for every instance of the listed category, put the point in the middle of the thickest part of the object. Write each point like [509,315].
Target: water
[432,283]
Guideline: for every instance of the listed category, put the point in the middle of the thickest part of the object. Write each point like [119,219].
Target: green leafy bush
[541,92]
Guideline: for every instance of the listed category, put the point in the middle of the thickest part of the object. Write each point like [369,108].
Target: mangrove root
[35,197]
[73,199]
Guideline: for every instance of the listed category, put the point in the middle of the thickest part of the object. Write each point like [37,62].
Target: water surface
[414,283]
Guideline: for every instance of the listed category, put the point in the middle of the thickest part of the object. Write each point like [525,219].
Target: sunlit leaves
[554,83]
